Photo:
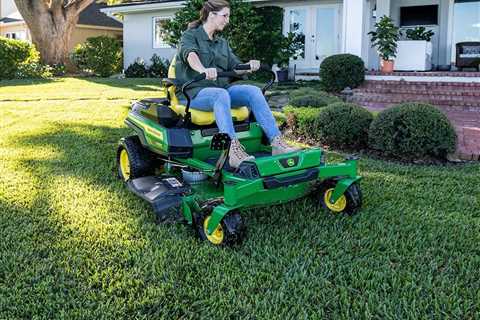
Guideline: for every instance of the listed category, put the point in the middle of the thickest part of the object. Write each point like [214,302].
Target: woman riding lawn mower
[213,148]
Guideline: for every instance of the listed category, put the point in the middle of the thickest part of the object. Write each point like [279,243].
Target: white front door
[319,29]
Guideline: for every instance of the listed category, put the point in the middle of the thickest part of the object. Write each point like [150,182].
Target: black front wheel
[349,203]
[230,231]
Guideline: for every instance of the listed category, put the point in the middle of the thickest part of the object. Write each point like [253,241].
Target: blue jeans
[222,100]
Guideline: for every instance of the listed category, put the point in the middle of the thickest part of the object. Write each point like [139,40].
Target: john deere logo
[291,162]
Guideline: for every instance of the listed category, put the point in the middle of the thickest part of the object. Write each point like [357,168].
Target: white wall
[138,37]
[441,54]
[7,7]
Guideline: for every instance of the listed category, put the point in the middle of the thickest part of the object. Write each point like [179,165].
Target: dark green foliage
[311,97]
[253,33]
[315,101]
[343,125]
[158,67]
[411,131]
[138,69]
[302,121]
[20,59]
[419,33]
[340,71]
[385,38]
[100,55]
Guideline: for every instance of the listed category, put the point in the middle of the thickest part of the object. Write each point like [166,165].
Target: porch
[331,27]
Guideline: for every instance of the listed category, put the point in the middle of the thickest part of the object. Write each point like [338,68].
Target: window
[419,15]
[466,22]
[159,33]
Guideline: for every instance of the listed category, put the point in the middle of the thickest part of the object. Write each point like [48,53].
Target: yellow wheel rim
[217,235]
[124,164]
[336,207]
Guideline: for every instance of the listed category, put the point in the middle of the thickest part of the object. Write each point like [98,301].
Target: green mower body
[154,160]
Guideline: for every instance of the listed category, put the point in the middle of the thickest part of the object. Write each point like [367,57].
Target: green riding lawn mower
[177,160]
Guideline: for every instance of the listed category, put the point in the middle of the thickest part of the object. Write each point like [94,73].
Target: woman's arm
[195,63]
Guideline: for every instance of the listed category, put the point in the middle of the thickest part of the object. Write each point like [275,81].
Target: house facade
[329,26]
[91,23]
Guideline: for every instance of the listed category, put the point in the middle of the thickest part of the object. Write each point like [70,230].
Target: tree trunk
[51,25]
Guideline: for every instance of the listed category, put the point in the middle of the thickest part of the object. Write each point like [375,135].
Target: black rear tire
[133,160]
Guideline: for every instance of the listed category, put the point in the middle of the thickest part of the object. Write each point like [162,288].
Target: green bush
[412,130]
[101,55]
[302,121]
[138,69]
[340,71]
[159,67]
[15,57]
[253,33]
[33,70]
[310,97]
[343,125]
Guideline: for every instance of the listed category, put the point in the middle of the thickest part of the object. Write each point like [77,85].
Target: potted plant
[291,45]
[415,51]
[385,38]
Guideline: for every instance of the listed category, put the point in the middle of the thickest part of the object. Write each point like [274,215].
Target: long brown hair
[208,6]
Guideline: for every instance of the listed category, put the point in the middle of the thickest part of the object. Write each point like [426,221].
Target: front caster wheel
[349,203]
[230,231]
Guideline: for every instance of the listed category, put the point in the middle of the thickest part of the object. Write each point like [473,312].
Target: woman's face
[221,18]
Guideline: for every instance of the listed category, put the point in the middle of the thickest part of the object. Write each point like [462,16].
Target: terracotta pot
[387,66]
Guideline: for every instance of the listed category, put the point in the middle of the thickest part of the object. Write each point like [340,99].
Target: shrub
[16,55]
[101,55]
[253,33]
[33,70]
[412,130]
[340,71]
[302,120]
[343,125]
[159,67]
[137,69]
[310,97]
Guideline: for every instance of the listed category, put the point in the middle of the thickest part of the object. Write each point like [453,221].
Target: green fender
[217,215]
[342,186]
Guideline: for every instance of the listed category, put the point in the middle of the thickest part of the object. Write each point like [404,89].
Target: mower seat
[198,117]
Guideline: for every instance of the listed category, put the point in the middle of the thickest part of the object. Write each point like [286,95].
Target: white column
[355,38]
[383,9]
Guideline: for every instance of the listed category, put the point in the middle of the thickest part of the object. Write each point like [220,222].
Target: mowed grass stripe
[76,244]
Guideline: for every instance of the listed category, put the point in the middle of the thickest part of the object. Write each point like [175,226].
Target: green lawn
[76,244]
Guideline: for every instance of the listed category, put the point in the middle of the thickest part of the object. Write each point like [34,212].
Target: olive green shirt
[214,53]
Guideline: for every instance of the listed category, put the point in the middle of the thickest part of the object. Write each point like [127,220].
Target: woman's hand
[210,73]
[254,65]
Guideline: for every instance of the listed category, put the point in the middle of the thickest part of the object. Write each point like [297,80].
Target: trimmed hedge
[101,55]
[412,131]
[309,97]
[343,125]
[138,69]
[17,58]
[340,71]
[302,120]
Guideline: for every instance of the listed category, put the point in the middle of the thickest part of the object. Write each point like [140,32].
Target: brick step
[471,103]
[422,84]
[463,92]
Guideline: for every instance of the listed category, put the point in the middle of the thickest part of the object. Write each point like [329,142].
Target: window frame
[154,38]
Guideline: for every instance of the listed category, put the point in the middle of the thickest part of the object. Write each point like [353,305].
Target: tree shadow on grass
[24,82]
[137,84]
